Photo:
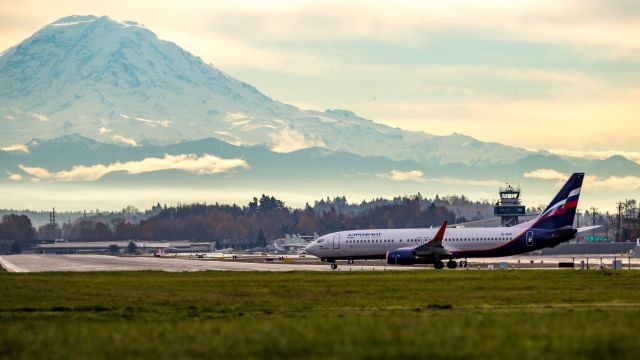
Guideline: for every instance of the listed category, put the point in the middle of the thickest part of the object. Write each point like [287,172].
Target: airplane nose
[309,248]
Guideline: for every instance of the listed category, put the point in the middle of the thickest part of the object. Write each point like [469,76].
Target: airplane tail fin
[561,212]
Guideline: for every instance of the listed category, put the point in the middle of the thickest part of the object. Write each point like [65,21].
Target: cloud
[103,130]
[546,174]
[17,148]
[594,183]
[124,140]
[18,111]
[288,140]
[206,164]
[467,182]
[578,23]
[570,112]
[613,183]
[418,176]
[149,122]
[36,172]
[38,117]
[230,138]
[397,175]
[597,154]
[14,177]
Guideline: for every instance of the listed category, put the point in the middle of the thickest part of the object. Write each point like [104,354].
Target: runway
[86,263]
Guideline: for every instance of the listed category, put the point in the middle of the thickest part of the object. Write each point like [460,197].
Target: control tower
[509,208]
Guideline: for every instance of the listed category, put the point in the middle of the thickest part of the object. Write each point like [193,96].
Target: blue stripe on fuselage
[516,246]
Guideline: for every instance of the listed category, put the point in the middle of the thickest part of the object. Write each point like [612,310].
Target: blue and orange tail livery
[561,211]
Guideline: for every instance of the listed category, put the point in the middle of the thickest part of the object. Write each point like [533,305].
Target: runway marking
[89,263]
[11,267]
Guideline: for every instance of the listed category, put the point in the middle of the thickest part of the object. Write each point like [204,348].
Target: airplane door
[530,238]
[336,241]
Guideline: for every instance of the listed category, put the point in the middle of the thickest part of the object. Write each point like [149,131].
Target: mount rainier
[118,82]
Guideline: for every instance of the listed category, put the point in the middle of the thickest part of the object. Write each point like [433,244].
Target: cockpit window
[320,241]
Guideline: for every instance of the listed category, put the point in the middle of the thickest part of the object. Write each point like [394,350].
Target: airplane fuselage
[458,242]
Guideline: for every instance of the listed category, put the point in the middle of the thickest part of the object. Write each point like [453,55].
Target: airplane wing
[437,240]
[588,228]
[433,246]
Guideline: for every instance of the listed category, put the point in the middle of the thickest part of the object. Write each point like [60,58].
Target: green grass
[426,314]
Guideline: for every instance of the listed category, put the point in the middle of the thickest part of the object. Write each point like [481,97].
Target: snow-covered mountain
[117,82]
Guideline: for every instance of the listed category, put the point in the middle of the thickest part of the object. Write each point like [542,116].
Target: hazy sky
[561,75]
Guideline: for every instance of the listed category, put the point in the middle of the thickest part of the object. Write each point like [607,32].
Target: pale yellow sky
[561,75]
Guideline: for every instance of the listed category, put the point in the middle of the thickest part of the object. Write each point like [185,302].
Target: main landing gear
[451,264]
[334,266]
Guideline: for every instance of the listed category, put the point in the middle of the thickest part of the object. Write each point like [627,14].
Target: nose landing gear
[334,266]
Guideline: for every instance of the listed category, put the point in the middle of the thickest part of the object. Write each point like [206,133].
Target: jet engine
[401,257]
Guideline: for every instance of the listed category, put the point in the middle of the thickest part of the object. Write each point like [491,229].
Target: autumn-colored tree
[48,232]
[88,230]
[18,228]
[306,225]
[124,230]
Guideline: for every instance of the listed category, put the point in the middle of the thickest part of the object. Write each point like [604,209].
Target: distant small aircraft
[431,246]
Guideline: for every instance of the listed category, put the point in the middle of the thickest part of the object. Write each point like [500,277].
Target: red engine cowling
[401,257]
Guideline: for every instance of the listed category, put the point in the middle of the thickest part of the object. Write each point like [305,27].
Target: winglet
[440,234]
[437,240]
[434,245]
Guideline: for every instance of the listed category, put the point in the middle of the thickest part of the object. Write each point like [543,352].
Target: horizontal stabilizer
[588,228]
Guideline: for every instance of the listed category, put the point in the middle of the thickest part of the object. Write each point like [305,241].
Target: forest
[254,224]
[264,219]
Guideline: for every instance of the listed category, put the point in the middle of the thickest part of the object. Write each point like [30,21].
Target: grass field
[426,314]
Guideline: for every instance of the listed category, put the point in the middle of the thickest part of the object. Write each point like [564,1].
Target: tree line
[267,218]
[255,224]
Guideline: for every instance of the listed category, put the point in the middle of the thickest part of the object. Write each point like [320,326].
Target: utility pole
[618,233]
[594,213]
[578,218]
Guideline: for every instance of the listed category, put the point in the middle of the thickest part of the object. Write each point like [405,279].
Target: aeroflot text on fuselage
[363,235]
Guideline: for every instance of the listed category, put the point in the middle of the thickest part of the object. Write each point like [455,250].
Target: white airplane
[430,246]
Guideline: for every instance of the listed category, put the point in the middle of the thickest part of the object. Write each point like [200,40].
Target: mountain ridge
[67,151]
[118,82]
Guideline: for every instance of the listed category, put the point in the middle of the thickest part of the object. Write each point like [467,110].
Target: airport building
[119,247]
[509,208]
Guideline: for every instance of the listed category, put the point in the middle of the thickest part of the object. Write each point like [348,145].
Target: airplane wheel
[438,265]
[452,264]
[334,266]
[463,264]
